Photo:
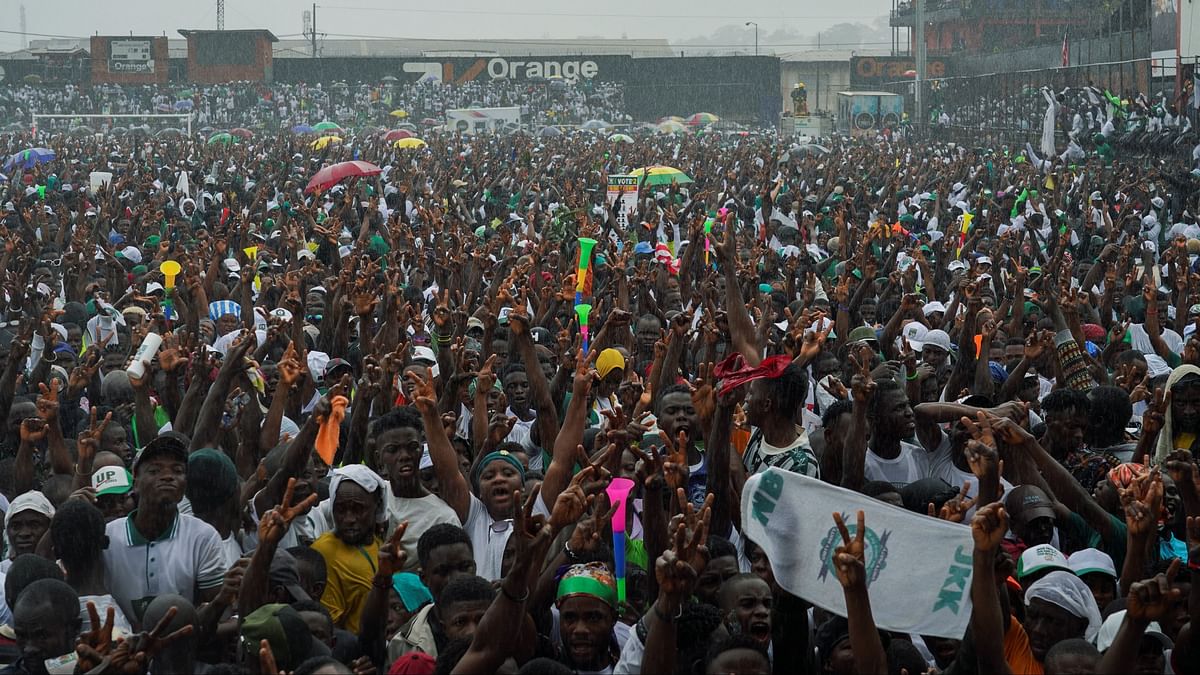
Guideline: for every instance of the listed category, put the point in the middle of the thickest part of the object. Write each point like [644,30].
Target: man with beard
[1059,607]
[156,549]
[351,550]
[1182,424]
[397,440]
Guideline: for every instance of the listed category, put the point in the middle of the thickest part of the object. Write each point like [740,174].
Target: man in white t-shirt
[496,477]
[947,459]
[890,456]
[398,439]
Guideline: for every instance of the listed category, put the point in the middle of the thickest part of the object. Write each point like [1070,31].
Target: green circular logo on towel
[875,553]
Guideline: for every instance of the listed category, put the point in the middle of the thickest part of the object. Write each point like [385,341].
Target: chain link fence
[1009,108]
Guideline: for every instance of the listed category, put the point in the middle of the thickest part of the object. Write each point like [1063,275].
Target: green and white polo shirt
[184,559]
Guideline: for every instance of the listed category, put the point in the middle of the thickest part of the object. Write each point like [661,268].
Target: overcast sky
[458,19]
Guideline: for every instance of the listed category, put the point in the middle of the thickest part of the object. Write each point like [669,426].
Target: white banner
[625,189]
[918,568]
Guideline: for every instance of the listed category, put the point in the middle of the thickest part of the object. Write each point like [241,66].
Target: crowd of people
[1081,117]
[254,424]
[283,106]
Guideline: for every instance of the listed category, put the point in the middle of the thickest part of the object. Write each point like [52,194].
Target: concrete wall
[259,70]
[823,79]
[100,62]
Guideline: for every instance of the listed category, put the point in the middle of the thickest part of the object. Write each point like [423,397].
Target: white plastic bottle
[144,354]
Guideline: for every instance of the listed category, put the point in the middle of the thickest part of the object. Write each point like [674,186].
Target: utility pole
[314,30]
[919,82]
[220,14]
[24,41]
[751,23]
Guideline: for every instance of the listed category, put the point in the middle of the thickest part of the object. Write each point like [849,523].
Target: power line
[614,43]
[674,17]
[45,35]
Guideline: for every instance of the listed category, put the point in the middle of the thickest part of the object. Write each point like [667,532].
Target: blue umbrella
[185,104]
[29,158]
[302,129]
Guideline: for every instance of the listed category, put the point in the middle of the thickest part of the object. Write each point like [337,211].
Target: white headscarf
[1064,589]
[364,477]
[1166,437]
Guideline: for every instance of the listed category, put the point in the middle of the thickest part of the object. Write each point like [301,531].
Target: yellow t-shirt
[1184,441]
[350,570]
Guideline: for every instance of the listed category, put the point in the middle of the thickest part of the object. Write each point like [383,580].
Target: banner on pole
[623,189]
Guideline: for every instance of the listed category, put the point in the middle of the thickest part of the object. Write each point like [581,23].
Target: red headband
[733,371]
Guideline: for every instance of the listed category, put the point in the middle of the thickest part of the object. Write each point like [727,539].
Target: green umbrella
[222,137]
[326,126]
[621,138]
[660,175]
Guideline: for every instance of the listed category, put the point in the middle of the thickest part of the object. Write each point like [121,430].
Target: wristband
[844,308]
[568,552]
[912,377]
[1194,565]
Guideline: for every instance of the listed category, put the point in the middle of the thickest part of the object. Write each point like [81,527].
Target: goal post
[183,120]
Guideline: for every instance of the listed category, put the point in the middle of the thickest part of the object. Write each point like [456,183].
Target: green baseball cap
[862,334]
[284,629]
[112,480]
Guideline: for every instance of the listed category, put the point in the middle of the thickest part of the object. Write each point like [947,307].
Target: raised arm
[741,328]
[570,436]
[849,562]
[505,627]
[987,616]
[455,490]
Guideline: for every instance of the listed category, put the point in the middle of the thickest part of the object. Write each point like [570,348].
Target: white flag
[918,568]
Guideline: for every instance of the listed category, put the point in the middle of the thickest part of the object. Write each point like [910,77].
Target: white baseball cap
[934,306]
[914,332]
[937,338]
[1041,558]
[1110,627]
[1091,560]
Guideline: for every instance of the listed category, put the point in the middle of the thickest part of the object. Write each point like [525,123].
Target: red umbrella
[332,174]
[397,134]
[242,133]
